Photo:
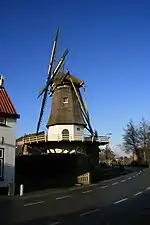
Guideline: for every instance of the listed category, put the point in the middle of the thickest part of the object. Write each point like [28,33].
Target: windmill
[69,115]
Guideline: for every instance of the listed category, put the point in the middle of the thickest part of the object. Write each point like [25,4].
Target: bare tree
[127,160]
[130,138]
[136,140]
[107,154]
[144,139]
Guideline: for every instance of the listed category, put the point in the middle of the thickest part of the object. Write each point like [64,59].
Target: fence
[84,179]
[43,137]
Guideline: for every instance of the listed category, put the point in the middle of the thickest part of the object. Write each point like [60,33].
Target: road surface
[123,200]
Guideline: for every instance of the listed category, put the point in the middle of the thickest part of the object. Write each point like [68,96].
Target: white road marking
[138,193]
[115,183]
[76,188]
[103,186]
[148,188]
[33,203]
[62,197]
[72,189]
[133,176]
[122,200]
[89,212]
[88,191]
[54,223]
[129,178]
[122,181]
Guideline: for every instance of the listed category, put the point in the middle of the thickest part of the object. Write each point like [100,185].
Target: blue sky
[109,43]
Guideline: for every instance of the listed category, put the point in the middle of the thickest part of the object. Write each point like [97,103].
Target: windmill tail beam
[82,108]
[85,110]
[85,99]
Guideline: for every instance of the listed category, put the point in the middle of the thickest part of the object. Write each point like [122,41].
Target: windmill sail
[45,90]
[53,55]
[62,68]
[51,63]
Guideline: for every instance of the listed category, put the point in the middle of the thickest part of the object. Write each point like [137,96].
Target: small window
[1,162]
[65,100]
[2,120]
[78,128]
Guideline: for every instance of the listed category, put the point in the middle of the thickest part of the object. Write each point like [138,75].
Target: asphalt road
[123,200]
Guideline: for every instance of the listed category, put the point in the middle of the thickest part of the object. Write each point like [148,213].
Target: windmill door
[65,135]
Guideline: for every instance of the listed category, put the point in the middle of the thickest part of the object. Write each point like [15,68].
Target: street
[123,200]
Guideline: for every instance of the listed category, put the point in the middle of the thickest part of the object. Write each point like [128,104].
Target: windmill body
[66,121]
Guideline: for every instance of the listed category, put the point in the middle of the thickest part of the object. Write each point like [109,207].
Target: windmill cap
[1,80]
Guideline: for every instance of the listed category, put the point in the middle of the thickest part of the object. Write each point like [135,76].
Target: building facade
[8,119]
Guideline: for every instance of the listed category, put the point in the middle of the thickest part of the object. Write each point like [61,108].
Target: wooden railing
[43,137]
[102,139]
[35,138]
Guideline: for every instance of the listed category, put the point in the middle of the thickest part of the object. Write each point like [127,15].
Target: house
[8,119]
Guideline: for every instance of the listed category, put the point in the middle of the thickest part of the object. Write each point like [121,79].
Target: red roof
[6,106]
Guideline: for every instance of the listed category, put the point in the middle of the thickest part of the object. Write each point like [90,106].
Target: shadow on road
[133,212]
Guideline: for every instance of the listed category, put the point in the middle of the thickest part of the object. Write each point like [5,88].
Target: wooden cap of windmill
[65,107]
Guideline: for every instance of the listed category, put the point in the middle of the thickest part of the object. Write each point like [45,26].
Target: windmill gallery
[64,148]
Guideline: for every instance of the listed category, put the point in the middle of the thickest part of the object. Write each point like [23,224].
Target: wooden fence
[84,179]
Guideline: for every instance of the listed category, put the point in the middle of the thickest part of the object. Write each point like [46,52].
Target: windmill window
[78,128]
[65,100]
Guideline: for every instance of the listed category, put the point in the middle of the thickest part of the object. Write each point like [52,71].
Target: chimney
[1,81]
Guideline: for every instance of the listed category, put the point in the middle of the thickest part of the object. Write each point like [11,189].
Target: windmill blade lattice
[42,111]
[51,63]
[50,78]
[45,90]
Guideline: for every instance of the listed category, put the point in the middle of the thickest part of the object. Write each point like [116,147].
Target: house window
[2,120]
[1,162]
[65,100]
[78,128]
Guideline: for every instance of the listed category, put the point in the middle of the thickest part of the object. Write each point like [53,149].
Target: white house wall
[9,150]
[78,132]
[55,132]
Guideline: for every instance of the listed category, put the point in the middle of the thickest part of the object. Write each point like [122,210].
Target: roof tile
[6,106]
